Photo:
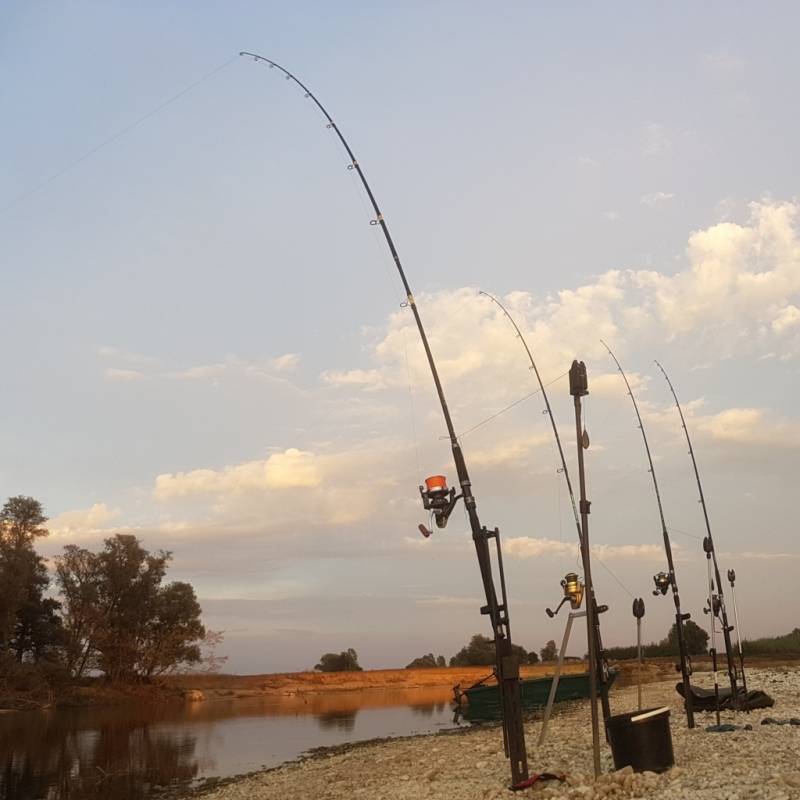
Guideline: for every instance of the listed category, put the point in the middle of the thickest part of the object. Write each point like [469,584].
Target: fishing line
[510,406]
[411,403]
[114,137]
[612,574]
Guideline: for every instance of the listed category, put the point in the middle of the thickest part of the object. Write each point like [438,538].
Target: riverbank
[470,764]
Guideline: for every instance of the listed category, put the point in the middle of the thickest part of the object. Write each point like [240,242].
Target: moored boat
[484,699]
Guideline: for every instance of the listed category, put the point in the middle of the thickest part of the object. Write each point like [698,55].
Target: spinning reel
[439,500]
[662,582]
[573,591]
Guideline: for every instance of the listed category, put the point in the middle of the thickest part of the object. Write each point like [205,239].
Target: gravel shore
[761,763]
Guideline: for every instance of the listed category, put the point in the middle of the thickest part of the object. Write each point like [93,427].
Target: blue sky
[204,341]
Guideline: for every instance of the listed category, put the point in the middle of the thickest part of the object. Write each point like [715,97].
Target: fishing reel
[573,591]
[731,577]
[638,607]
[716,605]
[662,581]
[439,500]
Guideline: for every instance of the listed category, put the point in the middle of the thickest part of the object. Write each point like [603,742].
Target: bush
[346,661]
[428,661]
[480,652]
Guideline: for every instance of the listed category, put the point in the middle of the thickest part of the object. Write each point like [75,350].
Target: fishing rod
[579,387]
[713,609]
[600,666]
[669,581]
[441,500]
[717,607]
[732,580]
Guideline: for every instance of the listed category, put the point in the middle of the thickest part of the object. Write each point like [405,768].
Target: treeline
[695,637]
[787,645]
[112,614]
[480,652]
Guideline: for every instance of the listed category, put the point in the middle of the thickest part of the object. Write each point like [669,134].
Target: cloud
[126,357]
[87,522]
[586,161]
[285,363]
[787,319]
[292,469]
[655,139]
[611,216]
[528,547]
[370,379]
[750,426]
[124,375]
[656,198]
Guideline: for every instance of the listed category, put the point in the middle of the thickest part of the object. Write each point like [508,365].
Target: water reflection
[125,753]
[341,720]
[47,756]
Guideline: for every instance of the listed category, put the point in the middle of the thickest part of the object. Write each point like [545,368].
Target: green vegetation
[696,644]
[346,661]
[115,615]
[787,645]
[480,652]
[428,661]
[549,652]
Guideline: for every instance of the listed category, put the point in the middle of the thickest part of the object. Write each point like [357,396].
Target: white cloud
[750,426]
[124,375]
[611,216]
[655,139]
[124,356]
[586,161]
[292,469]
[530,547]
[656,198]
[285,363]
[83,522]
[787,319]
[370,379]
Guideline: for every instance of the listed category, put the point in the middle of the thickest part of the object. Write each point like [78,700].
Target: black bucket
[642,740]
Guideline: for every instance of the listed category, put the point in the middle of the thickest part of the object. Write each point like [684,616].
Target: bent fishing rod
[717,606]
[441,501]
[669,581]
[600,667]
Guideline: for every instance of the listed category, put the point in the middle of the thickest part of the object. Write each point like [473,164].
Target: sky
[205,343]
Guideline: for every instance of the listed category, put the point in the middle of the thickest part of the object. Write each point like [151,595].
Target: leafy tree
[695,637]
[77,578]
[427,662]
[346,661]
[481,652]
[118,616]
[23,577]
[549,652]
[37,631]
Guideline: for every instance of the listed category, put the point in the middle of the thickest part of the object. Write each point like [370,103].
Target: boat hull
[485,700]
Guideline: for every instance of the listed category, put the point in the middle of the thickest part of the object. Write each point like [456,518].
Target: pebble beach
[469,764]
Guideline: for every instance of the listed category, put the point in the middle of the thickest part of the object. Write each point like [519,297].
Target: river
[134,752]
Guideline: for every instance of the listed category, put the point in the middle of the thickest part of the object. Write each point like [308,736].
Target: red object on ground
[536,777]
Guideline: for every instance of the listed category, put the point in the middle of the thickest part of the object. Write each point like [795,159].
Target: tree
[694,636]
[346,661]
[427,662]
[23,577]
[549,652]
[172,634]
[119,618]
[481,652]
[77,578]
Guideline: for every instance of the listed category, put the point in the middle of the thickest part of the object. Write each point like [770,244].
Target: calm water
[129,753]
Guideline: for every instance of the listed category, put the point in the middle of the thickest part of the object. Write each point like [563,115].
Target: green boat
[484,700]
